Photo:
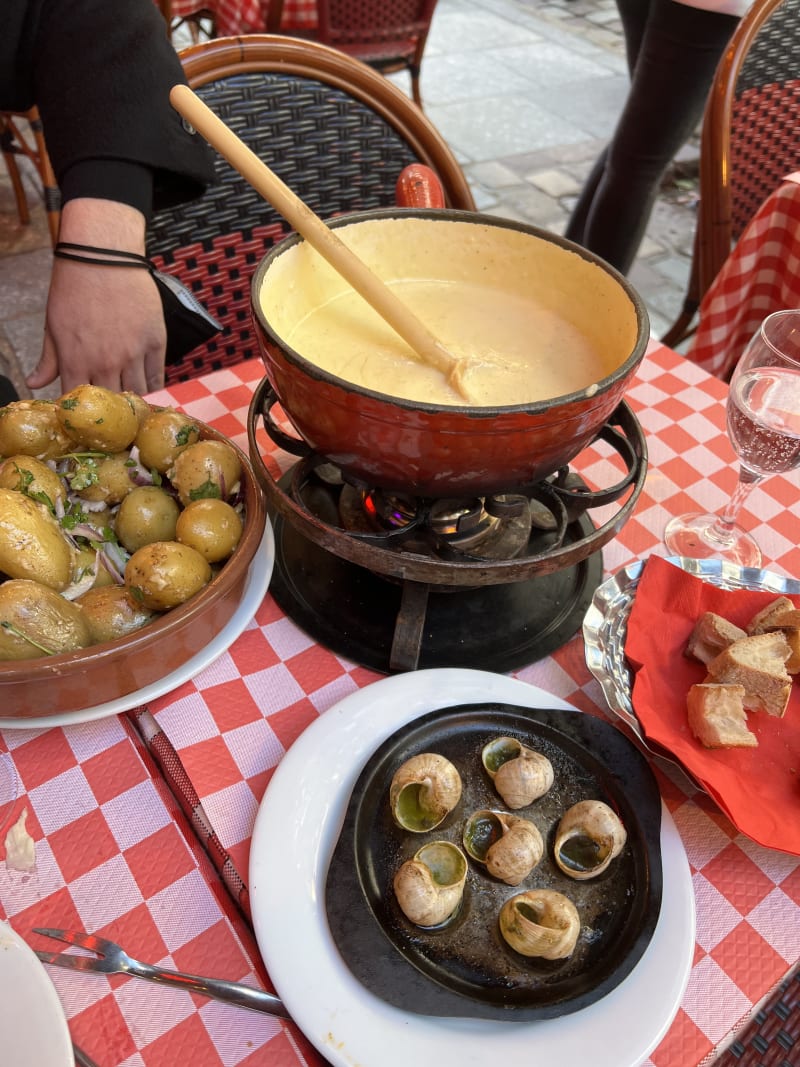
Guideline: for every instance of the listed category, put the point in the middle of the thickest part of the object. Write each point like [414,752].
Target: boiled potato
[113,479]
[35,479]
[102,519]
[97,418]
[32,428]
[210,526]
[164,574]
[148,513]
[85,561]
[111,612]
[162,435]
[37,621]
[31,542]
[141,408]
[206,469]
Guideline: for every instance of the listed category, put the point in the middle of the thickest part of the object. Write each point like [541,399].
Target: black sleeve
[101,75]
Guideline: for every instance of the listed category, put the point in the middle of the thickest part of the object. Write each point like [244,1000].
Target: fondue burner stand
[397,583]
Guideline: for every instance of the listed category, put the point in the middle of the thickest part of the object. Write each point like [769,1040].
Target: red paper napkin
[757,788]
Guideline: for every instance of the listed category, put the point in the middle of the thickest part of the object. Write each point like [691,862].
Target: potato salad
[112,512]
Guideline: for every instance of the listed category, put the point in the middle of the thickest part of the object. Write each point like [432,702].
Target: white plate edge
[256,586]
[47,997]
[325,1026]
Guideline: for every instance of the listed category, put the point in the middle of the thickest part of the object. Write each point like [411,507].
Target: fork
[82,1059]
[112,959]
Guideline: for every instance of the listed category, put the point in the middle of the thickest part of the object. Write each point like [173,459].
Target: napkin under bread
[757,788]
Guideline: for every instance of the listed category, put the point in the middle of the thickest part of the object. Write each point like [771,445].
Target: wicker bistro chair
[198,18]
[332,128]
[750,140]
[21,135]
[389,35]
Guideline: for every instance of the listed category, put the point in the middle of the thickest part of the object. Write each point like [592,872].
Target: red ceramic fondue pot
[445,450]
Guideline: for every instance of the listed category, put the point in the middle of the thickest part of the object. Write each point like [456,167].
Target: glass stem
[722,530]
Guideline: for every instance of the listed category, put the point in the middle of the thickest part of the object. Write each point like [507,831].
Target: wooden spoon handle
[312,228]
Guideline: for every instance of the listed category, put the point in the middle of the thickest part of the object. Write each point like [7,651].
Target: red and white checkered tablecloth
[117,853]
[115,856]
[227,730]
[761,275]
[234,17]
[299,15]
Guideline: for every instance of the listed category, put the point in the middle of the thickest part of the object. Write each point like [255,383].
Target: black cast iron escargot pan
[464,967]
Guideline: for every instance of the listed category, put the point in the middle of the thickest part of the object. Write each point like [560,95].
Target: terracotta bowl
[450,450]
[56,685]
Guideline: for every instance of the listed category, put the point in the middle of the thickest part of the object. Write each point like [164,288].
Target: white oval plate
[295,833]
[258,579]
[32,1021]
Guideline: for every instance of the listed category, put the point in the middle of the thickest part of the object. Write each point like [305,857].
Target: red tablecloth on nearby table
[761,275]
[115,853]
[298,15]
[234,17]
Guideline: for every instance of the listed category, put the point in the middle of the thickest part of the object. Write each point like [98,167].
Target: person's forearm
[104,323]
[103,224]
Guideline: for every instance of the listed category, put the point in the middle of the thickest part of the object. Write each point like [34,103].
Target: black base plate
[353,611]
[464,968]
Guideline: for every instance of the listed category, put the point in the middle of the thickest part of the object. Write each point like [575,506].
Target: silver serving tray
[605,624]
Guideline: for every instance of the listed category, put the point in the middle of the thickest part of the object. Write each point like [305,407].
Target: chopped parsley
[11,629]
[183,435]
[208,490]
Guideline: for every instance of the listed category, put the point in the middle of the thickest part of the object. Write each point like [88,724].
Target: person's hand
[104,324]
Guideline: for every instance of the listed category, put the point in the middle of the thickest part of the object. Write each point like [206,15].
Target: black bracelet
[120,258]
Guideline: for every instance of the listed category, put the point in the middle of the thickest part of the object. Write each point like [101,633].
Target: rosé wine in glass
[764,427]
[764,419]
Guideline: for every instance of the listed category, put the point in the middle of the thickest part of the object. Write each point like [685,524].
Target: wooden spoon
[322,239]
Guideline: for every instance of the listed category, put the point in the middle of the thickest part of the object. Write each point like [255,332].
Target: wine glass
[763,416]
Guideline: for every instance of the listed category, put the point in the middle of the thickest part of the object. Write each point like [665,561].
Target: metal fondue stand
[397,584]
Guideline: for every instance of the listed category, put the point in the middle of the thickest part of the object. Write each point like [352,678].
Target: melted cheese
[510,349]
[528,319]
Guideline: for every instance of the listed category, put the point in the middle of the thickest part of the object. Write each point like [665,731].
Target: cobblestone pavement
[525,91]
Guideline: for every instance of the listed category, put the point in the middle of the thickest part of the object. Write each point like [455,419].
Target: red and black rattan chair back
[332,128]
[750,139]
[390,35]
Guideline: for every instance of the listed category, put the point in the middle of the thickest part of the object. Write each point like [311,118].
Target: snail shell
[589,836]
[430,886]
[540,922]
[509,846]
[520,774]
[423,792]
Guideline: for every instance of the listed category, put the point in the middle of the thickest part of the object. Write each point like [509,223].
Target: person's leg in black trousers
[673,51]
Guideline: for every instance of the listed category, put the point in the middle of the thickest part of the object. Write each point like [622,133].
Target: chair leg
[682,327]
[52,194]
[195,24]
[14,143]
[16,184]
[416,94]
[684,324]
